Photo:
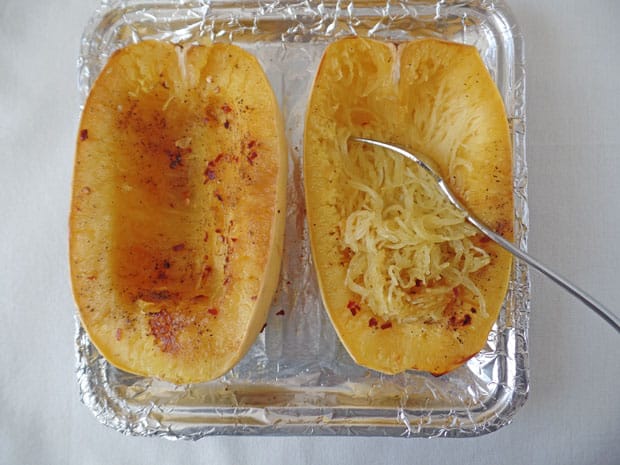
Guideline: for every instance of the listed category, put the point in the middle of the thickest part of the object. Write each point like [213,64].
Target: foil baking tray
[297,379]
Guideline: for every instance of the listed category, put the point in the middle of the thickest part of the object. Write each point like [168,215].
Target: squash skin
[178,209]
[359,74]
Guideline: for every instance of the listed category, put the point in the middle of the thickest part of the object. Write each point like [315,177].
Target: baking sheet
[297,379]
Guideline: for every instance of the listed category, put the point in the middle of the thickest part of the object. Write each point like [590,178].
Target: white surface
[573,148]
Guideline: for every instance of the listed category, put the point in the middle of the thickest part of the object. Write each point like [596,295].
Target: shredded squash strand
[403,234]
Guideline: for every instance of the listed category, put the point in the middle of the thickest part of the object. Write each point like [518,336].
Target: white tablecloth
[573,146]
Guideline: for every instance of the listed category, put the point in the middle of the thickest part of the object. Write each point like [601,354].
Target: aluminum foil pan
[297,379]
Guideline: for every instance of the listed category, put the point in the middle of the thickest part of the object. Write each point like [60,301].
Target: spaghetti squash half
[177,216]
[407,283]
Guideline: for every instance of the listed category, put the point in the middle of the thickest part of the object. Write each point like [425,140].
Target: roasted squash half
[177,216]
[407,283]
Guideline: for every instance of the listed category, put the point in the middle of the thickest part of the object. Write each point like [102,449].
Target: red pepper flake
[226,280]
[466,320]
[354,307]
[206,238]
[209,171]
[226,108]
[372,322]
[251,157]
[218,196]
[226,124]
[234,239]
[209,175]
[213,311]
[218,231]
[251,144]
[502,227]
[84,134]
[119,334]
[263,328]
[455,291]
[175,158]
[484,239]
[166,264]
[280,313]
[178,247]
[254,297]
[347,255]
[91,278]
[216,160]
[209,115]
[386,325]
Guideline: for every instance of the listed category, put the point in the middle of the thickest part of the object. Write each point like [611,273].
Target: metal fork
[587,299]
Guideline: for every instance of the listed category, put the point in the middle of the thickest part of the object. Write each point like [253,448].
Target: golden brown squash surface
[438,99]
[178,207]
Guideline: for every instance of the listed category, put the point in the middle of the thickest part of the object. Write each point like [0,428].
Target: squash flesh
[437,99]
[178,209]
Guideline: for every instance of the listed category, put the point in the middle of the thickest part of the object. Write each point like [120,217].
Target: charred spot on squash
[164,329]
[155,295]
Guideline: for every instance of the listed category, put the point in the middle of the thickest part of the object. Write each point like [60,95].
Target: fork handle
[586,298]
